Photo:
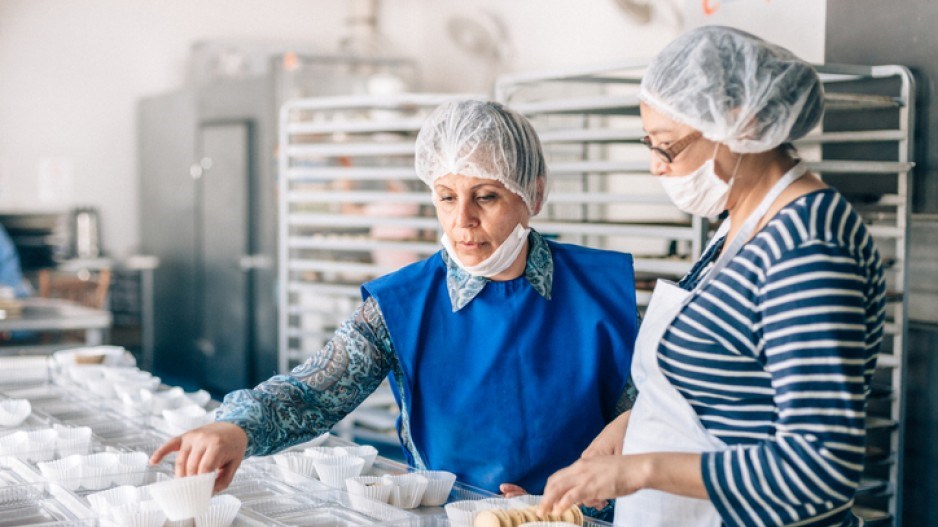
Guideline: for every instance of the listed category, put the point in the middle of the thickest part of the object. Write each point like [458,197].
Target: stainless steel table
[53,314]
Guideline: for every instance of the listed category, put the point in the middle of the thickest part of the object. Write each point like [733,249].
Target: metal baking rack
[351,208]
[604,196]
[601,193]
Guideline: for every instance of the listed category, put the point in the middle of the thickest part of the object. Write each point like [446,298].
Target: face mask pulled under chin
[702,192]
[498,261]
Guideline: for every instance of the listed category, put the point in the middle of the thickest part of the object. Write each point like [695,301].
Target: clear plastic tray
[42,504]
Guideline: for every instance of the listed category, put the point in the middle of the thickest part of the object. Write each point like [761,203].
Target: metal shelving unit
[351,208]
[603,196]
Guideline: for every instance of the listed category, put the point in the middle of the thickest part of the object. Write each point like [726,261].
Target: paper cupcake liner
[13,444]
[199,397]
[98,470]
[461,513]
[102,389]
[371,487]
[408,490]
[72,440]
[221,512]
[131,468]
[102,502]
[366,452]
[14,411]
[323,452]
[439,485]
[187,417]
[183,498]
[318,440]
[524,501]
[66,471]
[140,514]
[40,445]
[297,462]
[185,522]
[333,470]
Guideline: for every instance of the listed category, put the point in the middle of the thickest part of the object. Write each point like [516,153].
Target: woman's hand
[609,441]
[218,446]
[591,480]
[510,490]
[606,477]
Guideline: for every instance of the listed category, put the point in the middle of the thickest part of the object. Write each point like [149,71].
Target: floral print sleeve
[289,409]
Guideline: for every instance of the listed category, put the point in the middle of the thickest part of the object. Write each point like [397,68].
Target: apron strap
[729,252]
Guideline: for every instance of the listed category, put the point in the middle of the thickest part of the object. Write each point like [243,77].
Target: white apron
[662,420]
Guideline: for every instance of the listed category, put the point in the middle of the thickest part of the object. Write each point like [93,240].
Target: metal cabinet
[208,213]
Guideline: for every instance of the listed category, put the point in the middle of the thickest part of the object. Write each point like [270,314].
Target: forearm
[288,409]
[675,473]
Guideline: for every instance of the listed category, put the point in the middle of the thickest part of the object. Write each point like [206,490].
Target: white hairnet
[484,140]
[736,88]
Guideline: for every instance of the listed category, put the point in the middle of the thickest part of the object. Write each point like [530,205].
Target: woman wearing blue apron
[753,372]
[507,352]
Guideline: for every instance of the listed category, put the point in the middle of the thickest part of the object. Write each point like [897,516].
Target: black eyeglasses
[668,154]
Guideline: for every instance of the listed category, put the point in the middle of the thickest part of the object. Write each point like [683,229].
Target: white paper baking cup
[14,411]
[185,522]
[297,462]
[139,514]
[371,487]
[40,444]
[221,512]
[72,440]
[319,440]
[131,468]
[323,452]
[439,485]
[199,397]
[169,399]
[102,502]
[187,417]
[408,490]
[66,471]
[524,501]
[462,513]
[14,444]
[333,470]
[103,389]
[86,374]
[366,452]
[98,470]
[183,498]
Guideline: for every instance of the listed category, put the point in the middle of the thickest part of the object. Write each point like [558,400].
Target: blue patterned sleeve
[289,409]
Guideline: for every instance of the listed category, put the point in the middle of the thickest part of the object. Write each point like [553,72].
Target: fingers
[553,492]
[182,460]
[510,490]
[194,460]
[170,446]
[225,475]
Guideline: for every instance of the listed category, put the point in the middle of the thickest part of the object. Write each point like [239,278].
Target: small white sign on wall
[799,25]
[55,181]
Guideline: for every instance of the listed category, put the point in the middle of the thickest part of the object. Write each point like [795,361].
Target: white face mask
[498,261]
[702,192]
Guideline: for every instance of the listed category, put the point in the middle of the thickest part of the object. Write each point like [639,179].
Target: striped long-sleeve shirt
[776,356]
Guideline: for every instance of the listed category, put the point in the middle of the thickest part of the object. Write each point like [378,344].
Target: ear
[540,183]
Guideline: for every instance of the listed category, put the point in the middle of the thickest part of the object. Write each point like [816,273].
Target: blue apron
[513,386]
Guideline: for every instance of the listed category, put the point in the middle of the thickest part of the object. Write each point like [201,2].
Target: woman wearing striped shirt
[752,372]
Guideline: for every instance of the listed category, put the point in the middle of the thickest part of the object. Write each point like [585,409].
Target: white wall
[72,72]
